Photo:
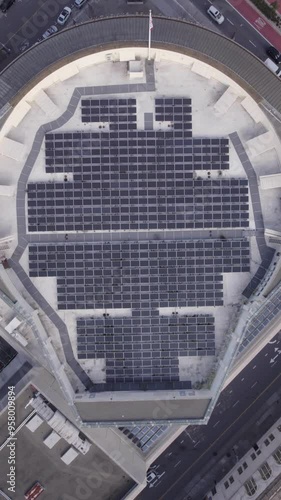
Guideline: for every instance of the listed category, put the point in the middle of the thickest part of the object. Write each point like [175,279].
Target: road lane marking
[177,463]
[266,354]
[219,437]
[182,441]
[218,403]
[230,21]
[252,43]
[230,392]
[216,424]
[242,379]
[254,367]
[253,385]
[196,444]
[235,403]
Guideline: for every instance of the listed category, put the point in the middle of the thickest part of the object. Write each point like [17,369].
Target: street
[192,462]
[24,23]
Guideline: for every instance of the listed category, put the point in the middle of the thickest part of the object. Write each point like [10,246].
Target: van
[273,67]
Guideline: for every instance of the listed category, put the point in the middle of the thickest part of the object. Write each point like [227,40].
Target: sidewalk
[258,21]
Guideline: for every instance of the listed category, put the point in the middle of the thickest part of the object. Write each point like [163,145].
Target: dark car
[6,4]
[274,54]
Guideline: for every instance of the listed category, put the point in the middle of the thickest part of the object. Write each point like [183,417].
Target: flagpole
[149,35]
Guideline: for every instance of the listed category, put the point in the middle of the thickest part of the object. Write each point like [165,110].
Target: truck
[34,491]
[273,67]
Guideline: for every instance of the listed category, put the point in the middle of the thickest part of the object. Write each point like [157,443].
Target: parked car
[6,4]
[64,15]
[274,54]
[151,476]
[79,3]
[53,29]
[275,68]
[215,14]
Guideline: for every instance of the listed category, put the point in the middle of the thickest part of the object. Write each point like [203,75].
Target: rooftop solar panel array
[139,274]
[128,179]
[7,353]
[145,436]
[120,178]
[144,347]
[132,202]
[121,113]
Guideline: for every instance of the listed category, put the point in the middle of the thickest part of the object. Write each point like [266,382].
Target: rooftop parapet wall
[124,31]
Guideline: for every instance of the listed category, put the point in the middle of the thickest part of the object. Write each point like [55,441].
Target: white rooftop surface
[272,181]
[52,439]
[34,423]
[12,325]
[212,93]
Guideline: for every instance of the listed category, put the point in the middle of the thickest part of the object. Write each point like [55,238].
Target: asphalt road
[193,462]
[234,26]
[26,21]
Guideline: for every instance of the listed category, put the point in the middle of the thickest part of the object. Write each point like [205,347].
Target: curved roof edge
[131,30]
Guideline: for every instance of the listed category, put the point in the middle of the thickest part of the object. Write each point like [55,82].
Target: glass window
[240,470]
[245,465]
[279,428]
[271,437]
[253,456]
[265,471]
[231,480]
[277,456]
[266,442]
[250,487]
[226,485]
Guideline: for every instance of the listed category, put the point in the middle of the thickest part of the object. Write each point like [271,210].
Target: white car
[215,14]
[53,29]
[64,15]
[151,476]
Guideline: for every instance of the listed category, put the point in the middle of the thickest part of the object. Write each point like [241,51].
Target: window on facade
[245,465]
[240,470]
[226,485]
[266,442]
[250,487]
[279,428]
[277,456]
[265,471]
[258,452]
[231,480]
[214,491]
[253,456]
[271,437]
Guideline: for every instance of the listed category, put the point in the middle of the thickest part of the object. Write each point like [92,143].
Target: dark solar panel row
[124,203]
[109,110]
[144,348]
[176,110]
[139,275]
